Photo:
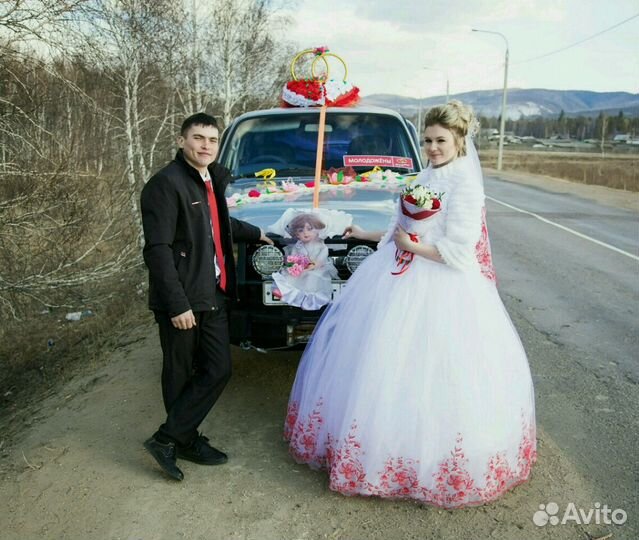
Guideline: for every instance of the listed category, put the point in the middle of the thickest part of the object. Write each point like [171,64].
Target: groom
[189,254]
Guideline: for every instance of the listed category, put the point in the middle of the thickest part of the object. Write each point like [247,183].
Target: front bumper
[271,327]
[257,321]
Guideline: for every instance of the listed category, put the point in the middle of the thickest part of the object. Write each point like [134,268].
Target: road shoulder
[617,198]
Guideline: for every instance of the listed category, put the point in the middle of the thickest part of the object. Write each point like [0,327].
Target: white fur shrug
[457,228]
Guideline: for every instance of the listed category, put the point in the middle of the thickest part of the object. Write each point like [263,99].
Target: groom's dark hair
[198,119]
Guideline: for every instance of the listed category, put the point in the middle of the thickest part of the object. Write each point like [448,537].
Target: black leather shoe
[200,451]
[164,454]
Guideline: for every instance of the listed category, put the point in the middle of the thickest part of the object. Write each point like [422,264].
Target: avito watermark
[598,515]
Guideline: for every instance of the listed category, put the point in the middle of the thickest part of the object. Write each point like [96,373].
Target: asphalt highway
[568,272]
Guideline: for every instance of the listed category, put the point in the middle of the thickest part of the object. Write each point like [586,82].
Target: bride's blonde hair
[458,118]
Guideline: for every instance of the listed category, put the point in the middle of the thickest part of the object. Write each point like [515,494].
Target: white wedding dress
[417,385]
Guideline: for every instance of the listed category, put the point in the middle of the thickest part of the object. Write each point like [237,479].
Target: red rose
[254,193]
[310,184]
[436,204]
[410,199]
[310,89]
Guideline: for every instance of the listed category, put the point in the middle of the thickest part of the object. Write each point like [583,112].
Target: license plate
[270,300]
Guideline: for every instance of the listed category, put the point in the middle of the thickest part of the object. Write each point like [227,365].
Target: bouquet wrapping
[417,205]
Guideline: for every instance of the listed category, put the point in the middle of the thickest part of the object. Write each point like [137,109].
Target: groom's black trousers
[196,368]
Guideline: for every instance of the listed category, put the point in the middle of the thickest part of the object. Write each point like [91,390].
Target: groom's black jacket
[179,250]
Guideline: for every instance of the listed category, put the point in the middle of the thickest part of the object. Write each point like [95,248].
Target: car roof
[276,111]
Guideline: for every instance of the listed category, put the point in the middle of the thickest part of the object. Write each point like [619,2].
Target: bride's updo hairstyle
[456,117]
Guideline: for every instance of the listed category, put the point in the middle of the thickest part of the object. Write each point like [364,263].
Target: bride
[415,383]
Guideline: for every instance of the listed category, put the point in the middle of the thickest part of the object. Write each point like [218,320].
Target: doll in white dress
[305,279]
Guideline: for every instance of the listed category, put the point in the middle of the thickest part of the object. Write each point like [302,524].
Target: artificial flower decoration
[288,189]
[296,264]
[233,200]
[318,90]
[344,175]
[289,186]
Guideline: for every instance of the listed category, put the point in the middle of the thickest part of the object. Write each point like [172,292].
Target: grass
[618,171]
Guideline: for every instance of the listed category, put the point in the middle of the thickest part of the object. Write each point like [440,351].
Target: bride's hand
[354,231]
[402,240]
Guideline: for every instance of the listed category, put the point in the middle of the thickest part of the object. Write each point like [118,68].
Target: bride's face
[440,144]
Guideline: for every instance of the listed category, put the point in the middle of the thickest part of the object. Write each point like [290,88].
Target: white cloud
[386,43]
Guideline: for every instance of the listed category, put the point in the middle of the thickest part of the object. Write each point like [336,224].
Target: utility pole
[502,124]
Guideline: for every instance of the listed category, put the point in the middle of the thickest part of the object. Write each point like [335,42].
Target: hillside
[526,102]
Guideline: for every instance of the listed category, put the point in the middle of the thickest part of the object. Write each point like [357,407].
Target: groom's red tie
[217,233]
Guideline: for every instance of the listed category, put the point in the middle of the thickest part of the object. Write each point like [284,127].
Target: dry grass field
[619,171]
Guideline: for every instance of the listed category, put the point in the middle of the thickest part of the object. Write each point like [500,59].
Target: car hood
[371,206]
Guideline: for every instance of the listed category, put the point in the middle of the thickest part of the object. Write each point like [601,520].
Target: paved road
[575,304]
[580,293]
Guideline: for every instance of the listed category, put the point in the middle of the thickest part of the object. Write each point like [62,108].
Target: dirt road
[78,471]
[73,466]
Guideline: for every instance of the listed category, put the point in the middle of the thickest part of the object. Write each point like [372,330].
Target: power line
[578,42]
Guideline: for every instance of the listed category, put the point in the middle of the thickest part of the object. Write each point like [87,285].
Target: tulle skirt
[415,386]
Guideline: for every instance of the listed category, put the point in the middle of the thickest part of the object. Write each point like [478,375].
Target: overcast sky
[386,43]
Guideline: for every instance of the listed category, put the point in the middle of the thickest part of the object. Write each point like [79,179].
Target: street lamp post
[447,80]
[502,123]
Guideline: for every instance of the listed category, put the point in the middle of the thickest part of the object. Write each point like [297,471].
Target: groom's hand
[265,239]
[184,321]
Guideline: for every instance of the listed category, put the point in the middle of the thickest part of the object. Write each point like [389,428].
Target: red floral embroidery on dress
[452,486]
[482,250]
[398,479]
[303,436]
[453,482]
[346,471]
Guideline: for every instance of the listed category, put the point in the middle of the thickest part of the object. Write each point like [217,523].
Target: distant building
[488,132]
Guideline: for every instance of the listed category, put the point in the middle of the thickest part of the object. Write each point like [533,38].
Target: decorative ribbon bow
[404,258]
[269,184]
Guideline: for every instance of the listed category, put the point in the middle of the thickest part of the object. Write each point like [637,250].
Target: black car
[286,140]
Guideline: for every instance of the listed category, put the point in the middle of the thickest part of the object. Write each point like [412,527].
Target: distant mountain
[531,102]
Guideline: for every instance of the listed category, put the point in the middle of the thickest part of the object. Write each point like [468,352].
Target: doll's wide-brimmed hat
[319,90]
[335,221]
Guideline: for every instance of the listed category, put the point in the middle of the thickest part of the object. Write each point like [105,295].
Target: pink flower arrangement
[342,176]
[296,264]
[289,186]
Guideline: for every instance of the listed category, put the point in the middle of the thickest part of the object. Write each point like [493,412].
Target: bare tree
[247,64]
[91,92]
[125,38]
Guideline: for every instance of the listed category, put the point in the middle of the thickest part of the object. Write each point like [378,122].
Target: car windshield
[288,142]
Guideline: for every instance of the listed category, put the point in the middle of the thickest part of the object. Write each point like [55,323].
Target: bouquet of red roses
[417,205]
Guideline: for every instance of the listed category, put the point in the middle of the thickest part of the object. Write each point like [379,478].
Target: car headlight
[267,259]
[356,255]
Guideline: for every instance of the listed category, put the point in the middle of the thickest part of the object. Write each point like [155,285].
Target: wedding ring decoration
[319,90]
